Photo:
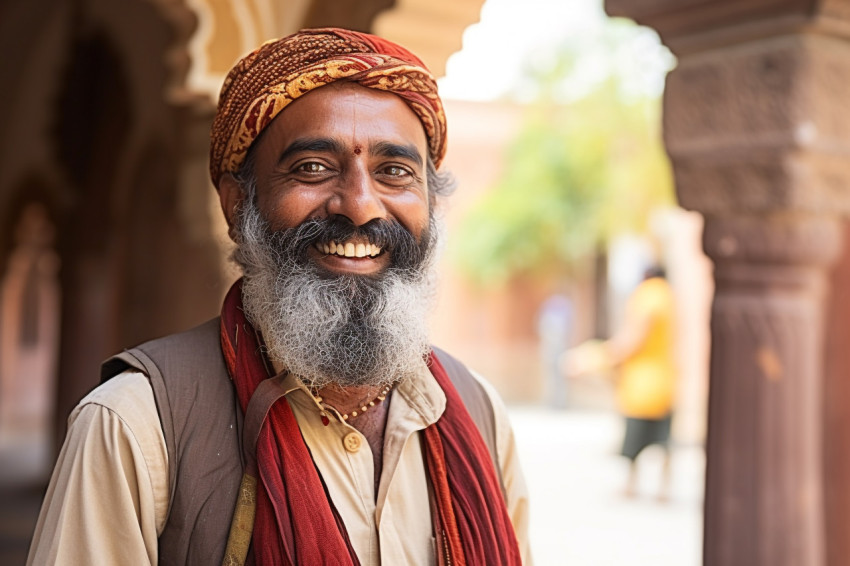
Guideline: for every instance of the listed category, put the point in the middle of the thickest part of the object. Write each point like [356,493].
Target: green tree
[587,164]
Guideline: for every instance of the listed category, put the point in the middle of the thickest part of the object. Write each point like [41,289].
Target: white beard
[345,330]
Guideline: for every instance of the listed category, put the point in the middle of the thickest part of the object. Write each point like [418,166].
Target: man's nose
[357,198]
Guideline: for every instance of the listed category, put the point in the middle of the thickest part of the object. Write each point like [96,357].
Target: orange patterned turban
[264,82]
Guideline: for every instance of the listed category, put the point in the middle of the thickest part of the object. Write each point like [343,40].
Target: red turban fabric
[264,82]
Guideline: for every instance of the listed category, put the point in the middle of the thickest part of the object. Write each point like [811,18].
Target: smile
[349,249]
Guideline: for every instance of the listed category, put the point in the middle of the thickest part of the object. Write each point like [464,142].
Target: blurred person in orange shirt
[642,352]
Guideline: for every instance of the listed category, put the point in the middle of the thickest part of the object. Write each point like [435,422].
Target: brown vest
[202,424]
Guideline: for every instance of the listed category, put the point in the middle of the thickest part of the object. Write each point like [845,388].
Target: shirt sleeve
[108,495]
[516,491]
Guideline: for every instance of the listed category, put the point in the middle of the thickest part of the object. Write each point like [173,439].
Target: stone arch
[432,29]
[91,131]
[94,88]
[30,188]
[354,15]
[29,326]
[95,114]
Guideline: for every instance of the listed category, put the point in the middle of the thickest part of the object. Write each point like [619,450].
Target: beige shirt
[107,501]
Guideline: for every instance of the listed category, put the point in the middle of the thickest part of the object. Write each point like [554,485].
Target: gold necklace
[345,416]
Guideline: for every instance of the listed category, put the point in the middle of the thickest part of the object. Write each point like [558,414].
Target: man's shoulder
[463,376]
[186,373]
[122,395]
[476,398]
[184,351]
[460,375]
[202,332]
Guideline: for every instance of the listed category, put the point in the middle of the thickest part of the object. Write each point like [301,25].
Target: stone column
[757,125]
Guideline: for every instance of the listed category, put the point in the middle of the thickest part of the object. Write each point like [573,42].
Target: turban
[264,82]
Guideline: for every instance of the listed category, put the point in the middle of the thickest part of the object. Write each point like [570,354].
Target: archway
[29,344]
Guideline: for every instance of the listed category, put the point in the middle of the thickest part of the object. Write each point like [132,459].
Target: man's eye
[395,171]
[311,167]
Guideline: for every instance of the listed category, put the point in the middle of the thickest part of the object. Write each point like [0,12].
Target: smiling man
[312,422]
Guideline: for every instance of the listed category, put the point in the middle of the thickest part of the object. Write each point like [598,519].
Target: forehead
[349,113]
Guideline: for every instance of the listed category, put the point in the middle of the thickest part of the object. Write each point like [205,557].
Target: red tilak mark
[357,151]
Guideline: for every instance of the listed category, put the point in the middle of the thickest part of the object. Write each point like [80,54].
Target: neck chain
[345,416]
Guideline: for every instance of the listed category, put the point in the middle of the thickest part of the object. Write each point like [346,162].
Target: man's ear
[230,194]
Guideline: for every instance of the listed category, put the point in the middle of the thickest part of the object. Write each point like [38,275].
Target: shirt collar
[420,391]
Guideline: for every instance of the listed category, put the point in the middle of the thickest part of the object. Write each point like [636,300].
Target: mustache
[393,238]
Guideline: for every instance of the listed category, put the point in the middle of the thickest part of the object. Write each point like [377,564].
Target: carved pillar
[764,485]
[837,416]
[756,126]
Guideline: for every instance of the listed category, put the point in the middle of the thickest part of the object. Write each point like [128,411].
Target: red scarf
[296,522]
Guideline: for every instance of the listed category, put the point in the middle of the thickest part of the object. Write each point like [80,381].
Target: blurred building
[493,330]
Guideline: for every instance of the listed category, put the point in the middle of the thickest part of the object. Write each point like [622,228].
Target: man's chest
[386,507]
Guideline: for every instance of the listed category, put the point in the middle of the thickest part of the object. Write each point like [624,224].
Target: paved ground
[578,515]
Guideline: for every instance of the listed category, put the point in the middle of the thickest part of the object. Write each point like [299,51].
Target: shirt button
[352,442]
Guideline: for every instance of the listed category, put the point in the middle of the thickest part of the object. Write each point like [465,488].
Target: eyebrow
[325,145]
[330,145]
[388,149]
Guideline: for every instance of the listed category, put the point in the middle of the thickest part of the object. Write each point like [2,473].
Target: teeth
[349,249]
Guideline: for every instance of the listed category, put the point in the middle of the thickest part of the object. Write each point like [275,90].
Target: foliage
[578,173]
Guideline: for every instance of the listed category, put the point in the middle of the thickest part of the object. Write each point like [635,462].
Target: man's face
[348,153]
[342,166]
